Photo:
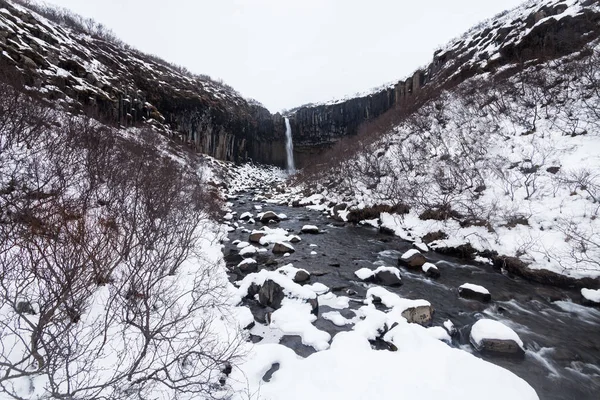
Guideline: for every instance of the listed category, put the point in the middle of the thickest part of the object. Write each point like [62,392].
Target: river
[562,338]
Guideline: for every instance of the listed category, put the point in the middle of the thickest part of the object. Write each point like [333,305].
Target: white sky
[285,53]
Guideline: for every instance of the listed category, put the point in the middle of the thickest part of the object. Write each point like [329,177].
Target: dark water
[562,338]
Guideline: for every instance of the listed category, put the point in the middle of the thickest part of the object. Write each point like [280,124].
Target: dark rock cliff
[534,32]
[81,72]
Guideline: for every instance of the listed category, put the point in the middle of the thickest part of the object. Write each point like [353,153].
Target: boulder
[412,259]
[431,270]
[269,216]
[421,315]
[387,278]
[255,236]
[494,338]
[248,266]
[301,276]
[271,294]
[310,229]
[294,239]
[282,248]
[474,292]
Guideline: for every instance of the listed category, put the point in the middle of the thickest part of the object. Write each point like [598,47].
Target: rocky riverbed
[302,254]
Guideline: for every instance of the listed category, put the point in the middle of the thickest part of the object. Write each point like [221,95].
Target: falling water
[289,146]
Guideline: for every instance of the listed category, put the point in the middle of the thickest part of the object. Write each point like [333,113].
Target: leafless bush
[104,293]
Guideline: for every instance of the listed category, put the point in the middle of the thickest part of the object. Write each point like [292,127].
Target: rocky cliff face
[80,72]
[534,32]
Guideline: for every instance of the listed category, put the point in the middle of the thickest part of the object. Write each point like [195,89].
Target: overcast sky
[285,53]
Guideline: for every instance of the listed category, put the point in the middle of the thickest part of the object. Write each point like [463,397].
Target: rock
[474,292]
[412,259]
[421,315]
[304,218]
[301,276]
[248,266]
[294,239]
[271,294]
[282,248]
[431,270]
[255,236]
[246,216]
[310,229]
[493,338]
[269,216]
[388,278]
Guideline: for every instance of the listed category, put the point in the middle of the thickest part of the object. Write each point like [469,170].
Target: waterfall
[289,146]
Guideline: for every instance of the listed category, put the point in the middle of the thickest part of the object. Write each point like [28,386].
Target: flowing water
[562,338]
[289,146]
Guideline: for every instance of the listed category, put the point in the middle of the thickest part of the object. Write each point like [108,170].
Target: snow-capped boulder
[310,229]
[388,276]
[294,239]
[241,245]
[255,236]
[431,270]
[268,216]
[248,265]
[298,275]
[591,297]
[412,259]
[493,337]
[248,251]
[474,292]
[282,248]
[246,216]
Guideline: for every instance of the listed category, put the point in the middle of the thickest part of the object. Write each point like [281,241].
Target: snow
[591,295]
[366,273]
[310,229]
[248,251]
[475,288]
[274,235]
[290,271]
[392,300]
[296,318]
[336,318]
[490,329]
[241,245]
[290,288]
[247,261]
[246,215]
[409,254]
[427,266]
[425,369]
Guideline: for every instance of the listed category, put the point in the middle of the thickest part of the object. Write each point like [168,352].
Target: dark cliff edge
[80,72]
[535,32]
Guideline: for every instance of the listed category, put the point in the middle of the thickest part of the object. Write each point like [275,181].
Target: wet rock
[431,270]
[269,216]
[310,229]
[301,276]
[271,294]
[294,239]
[282,248]
[494,338]
[412,259]
[256,236]
[388,278]
[421,315]
[248,266]
[474,292]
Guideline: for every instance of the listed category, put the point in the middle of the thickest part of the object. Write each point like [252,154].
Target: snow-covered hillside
[507,164]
